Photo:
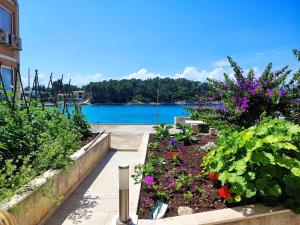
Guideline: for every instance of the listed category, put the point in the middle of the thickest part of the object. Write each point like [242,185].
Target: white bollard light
[124,218]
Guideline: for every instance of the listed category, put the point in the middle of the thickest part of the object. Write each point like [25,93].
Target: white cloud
[222,63]
[142,74]
[260,53]
[80,79]
[192,73]
[265,52]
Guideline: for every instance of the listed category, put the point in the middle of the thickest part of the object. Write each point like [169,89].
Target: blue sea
[132,114]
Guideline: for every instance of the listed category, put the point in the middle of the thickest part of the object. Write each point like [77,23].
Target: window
[7,76]
[5,20]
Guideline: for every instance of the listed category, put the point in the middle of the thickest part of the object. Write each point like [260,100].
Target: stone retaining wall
[51,189]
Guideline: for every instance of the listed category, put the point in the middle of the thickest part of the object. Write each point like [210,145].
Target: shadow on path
[78,207]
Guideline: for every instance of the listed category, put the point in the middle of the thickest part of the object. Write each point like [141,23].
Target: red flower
[224,192]
[171,155]
[213,177]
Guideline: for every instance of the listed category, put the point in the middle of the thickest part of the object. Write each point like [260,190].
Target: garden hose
[6,218]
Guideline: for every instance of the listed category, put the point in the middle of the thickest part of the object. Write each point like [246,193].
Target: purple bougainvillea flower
[148,180]
[270,91]
[281,92]
[171,185]
[296,100]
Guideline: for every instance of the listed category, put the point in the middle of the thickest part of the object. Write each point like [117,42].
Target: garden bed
[198,192]
[44,194]
[87,140]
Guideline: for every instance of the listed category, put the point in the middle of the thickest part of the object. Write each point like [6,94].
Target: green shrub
[162,131]
[80,123]
[185,134]
[261,162]
[247,96]
[32,143]
[14,177]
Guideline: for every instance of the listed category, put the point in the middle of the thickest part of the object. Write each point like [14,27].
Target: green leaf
[285,161]
[246,136]
[261,183]
[288,146]
[292,181]
[294,129]
[272,139]
[224,177]
[263,158]
[296,171]
[274,190]
[9,93]
[250,190]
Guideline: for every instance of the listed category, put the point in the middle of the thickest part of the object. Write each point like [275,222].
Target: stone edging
[135,189]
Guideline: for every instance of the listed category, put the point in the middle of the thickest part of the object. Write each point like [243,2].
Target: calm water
[142,114]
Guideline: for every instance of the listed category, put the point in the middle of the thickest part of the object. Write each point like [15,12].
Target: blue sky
[103,39]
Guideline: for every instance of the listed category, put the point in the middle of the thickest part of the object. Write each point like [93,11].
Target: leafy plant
[154,145]
[172,146]
[248,96]
[185,134]
[80,123]
[183,180]
[188,196]
[294,84]
[138,173]
[261,162]
[161,194]
[33,140]
[151,167]
[162,131]
[14,177]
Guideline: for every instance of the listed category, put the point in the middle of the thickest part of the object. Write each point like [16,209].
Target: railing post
[124,218]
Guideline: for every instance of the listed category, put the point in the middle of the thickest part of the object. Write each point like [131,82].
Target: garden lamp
[124,218]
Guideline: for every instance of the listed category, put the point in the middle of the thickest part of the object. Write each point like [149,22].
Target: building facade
[79,95]
[10,42]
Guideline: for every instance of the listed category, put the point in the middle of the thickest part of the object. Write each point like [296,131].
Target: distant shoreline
[193,104]
[130,103]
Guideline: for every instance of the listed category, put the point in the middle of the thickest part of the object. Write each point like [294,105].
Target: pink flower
[148,180]
[171,185]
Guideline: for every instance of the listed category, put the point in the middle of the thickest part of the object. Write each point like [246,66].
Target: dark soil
[205,193]
[88,139]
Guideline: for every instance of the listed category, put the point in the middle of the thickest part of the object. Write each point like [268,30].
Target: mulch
[88,139]
[205,193]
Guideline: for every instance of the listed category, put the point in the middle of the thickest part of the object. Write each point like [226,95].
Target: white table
[195,125]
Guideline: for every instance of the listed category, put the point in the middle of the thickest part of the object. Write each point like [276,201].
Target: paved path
[124,137]
[95,201]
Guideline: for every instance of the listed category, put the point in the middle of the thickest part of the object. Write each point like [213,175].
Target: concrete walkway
[124,137]
[95,201]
